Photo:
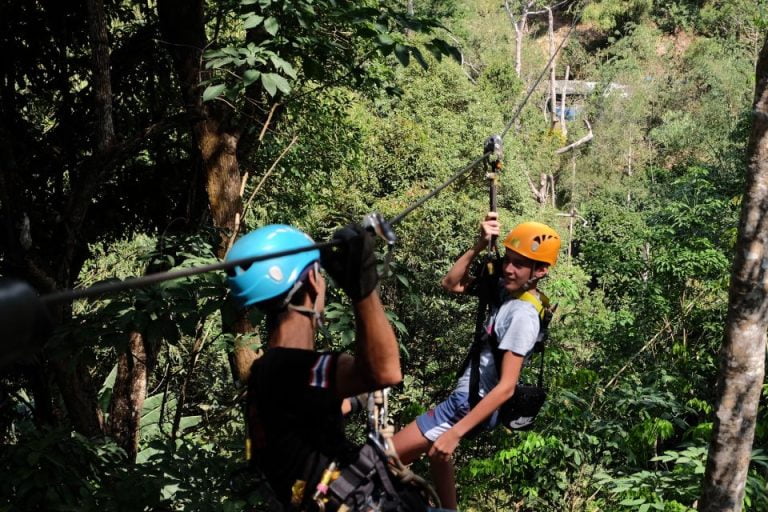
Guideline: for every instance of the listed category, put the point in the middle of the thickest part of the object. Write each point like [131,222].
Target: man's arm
[376,363]
[457,280]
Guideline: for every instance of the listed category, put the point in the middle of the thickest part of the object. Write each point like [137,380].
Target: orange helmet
[535,241]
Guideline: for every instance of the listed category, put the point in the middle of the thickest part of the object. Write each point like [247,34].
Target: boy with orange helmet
[531,249]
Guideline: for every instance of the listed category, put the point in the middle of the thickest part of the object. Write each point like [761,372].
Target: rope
[382,432]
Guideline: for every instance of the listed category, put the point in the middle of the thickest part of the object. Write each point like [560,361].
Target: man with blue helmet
[295,393]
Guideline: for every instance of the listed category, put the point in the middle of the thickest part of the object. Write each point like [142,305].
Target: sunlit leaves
[315,40]
[252,20]
[271,26]
[250,76]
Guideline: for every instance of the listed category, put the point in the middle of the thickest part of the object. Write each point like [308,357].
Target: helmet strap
[313,312]
[530,283]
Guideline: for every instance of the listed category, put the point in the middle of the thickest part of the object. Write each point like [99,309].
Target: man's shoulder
[291,360]
[297,365]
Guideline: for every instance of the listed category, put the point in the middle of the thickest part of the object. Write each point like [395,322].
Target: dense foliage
[641,285]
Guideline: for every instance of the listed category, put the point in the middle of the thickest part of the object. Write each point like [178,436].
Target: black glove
[24,320]
[352,264]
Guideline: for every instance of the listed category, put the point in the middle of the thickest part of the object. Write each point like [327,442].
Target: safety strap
[540,305]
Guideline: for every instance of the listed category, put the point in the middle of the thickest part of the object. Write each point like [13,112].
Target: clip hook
[375,222]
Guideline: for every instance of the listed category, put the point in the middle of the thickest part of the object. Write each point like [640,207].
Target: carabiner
[376,223]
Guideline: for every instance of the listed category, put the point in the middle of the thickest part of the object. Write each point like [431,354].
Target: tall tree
[78,102]
[742,357]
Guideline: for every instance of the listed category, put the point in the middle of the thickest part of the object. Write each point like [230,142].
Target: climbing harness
[519,411]
[375,481]
[381,430]
[367,484]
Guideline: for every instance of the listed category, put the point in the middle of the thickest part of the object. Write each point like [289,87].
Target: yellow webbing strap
[540,305]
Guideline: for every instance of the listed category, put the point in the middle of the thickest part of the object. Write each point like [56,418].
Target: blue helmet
[264,280]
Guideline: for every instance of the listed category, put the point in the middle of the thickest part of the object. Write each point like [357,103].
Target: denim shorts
[446,414]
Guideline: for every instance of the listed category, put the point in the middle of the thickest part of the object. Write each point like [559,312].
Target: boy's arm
[457,280]
[512,365]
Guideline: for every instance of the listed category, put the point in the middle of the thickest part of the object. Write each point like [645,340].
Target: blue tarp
[570,112]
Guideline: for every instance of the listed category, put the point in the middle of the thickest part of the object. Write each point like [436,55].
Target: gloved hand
[352,264]
[24,320]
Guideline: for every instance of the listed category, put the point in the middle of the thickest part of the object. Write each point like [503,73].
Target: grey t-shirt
[516,324]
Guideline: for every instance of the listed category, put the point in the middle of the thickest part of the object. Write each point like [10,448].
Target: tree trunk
[563,126]
[552,66]
[72,377]
[102,85]
[543,189]
[216,140]
[742,357]
[76,388]
[218,146]
[519,25]
[128,395]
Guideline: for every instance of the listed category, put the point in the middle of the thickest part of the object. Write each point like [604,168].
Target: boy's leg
[416,439]
[445,481]
[410,443]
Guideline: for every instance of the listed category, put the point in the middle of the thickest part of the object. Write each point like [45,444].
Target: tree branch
[588,137]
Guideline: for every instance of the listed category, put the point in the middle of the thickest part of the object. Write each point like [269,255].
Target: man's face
[516,270]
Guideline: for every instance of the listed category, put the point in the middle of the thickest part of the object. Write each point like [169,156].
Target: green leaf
[213,91]
[250,76]
[253,20]
[269,84]
[189,421]
[419,57]
[283,65]
[248,2]
[385,40]
[435,51]
[105,394]
[212,54]
[273,81]
[217,63]
[402,54]
[271,25]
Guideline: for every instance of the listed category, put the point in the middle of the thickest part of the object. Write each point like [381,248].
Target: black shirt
[294,417]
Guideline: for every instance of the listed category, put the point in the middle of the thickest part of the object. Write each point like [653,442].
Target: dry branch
[588,137]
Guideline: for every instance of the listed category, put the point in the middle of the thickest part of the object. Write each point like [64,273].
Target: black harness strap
[487,337]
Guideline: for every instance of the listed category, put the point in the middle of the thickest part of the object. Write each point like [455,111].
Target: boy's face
[517,270]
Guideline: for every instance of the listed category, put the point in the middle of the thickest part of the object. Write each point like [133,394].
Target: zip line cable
[68,295]
[507,127]
[158,277]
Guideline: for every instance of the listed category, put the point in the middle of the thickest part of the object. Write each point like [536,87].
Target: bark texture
[742,357]
[128,395]
[216,138]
